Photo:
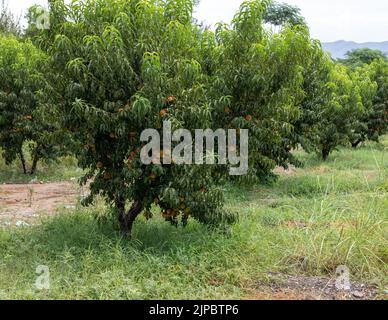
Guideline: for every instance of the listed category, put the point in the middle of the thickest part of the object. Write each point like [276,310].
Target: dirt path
[25,202]
[299,287]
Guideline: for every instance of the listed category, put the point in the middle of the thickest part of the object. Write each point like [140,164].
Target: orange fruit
[99,165]
[227,110]
[171,99]
[248,117]
[163,112]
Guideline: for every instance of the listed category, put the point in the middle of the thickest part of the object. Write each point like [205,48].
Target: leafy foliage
[259,76]
[280,14]
[377,119]
[372,65]
[335,102]
[112,69]
[126,66]
[359,57]
[22,116]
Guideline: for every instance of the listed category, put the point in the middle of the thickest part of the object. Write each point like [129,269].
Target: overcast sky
[329,20]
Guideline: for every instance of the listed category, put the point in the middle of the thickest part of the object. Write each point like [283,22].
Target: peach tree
[22,116]
[374,121]
[118,68]
[335,102]
[257,80]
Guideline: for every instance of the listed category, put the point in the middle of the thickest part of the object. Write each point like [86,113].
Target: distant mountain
[338,49]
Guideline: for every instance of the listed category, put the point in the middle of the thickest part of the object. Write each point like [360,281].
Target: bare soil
[288,172]
[289,287]
[26,202]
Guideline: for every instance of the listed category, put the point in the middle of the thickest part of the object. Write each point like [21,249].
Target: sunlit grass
[63,169]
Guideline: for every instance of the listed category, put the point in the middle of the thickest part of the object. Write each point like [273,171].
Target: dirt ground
[22,203]
[288,287]
[288,172]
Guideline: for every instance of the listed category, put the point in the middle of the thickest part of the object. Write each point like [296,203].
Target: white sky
[329,20]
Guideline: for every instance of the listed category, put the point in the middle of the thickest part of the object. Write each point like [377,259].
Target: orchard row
[107,70]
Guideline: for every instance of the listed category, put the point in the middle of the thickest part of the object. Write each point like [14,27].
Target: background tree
[281,14]
[377,122]
[22,117]
[259,77]
[358,57]
[316,75]
[9,23]
[362,129]
[372,65]
[336,100]
[340,112]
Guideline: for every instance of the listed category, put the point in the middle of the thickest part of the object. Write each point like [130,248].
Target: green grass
[322,216]
[53,171]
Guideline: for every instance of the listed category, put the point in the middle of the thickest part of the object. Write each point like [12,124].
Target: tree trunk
[356,144]
[120,207]
[127,219]
[23,160]
[34,163]
[325,154]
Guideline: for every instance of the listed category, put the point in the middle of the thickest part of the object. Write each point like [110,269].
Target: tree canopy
[106,71]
